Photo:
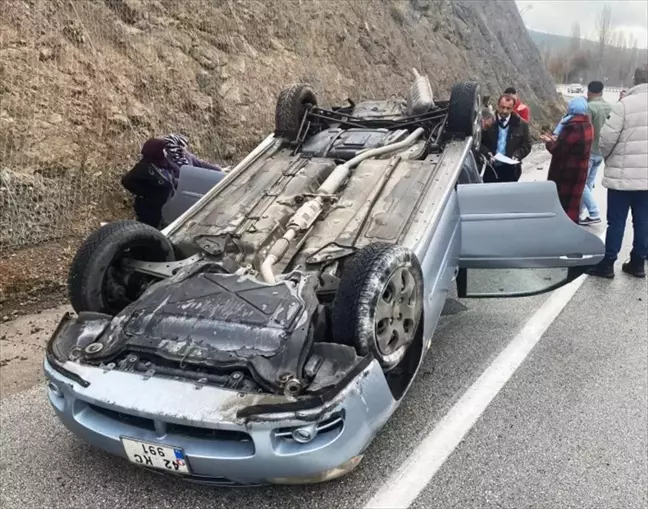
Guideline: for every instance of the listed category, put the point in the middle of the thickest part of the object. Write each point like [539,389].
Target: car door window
[502,283]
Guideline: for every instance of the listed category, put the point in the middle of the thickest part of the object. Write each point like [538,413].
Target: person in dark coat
[152,182]
[570,147]
[509,136]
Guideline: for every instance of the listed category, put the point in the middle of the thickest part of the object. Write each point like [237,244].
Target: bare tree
[575,43]
[604,28]
[558,68]
[622,41]
[578,64]
[547,54]
[614,38]
[524,10]
[614,55]
[631,63]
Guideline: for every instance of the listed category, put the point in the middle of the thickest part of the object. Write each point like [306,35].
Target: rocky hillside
[83,83]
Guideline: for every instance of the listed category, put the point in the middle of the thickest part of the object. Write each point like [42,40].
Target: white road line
[402,488]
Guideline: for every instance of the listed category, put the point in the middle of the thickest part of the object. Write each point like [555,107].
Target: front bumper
[101,406]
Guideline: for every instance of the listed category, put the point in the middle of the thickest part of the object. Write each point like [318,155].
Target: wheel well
[400,378]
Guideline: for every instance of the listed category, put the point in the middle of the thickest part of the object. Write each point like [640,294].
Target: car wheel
[379,303]
[292,104]
[465,111]
[96,281]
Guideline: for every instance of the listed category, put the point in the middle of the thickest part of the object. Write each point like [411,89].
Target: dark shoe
[589,220]
[635,268]
[604,269]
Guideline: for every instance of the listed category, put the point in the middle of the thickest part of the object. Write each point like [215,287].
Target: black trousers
[149,211]
[503,173]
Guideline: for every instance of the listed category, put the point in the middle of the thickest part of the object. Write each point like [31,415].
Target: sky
[558,16]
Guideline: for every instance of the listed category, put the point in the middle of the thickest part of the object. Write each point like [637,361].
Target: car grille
[131,420]
[207,433]
[172,428]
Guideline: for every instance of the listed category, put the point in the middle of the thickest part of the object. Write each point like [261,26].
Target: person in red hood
[520,108]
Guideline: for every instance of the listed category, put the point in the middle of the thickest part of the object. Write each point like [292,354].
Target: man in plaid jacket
[570,148]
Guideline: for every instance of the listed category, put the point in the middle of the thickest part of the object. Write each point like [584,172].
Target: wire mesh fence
[84,83]
[82,86]
[36,208]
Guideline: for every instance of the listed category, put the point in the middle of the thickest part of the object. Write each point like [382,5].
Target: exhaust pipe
[309,211]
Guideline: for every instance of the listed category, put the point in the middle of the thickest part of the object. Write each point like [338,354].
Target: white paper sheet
[506,160]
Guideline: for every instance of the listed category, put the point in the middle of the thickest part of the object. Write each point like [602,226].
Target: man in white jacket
[624,146]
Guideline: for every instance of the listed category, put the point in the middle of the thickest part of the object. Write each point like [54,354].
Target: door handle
[576,257]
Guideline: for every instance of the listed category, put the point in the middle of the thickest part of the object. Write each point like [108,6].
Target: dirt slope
[84,83]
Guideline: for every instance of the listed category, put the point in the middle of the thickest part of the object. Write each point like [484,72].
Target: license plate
[157,456]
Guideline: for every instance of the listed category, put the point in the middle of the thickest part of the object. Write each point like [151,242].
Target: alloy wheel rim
[396,312]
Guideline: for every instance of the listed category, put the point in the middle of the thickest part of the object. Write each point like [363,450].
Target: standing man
[508,136]
[624,145]
[520,108]
[599,111]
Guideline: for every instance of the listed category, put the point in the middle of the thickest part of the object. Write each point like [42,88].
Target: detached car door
[516,241]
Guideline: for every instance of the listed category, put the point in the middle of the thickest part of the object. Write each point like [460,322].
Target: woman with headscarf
[152,182]
[570,147]
[178,155]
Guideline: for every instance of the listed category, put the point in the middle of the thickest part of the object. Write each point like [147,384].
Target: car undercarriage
[258,301]
[268,332]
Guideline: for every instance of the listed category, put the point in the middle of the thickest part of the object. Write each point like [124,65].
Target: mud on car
[269,332]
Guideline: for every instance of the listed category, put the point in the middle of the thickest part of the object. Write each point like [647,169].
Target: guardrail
[560,88]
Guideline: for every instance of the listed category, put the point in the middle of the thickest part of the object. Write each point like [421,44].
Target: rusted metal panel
[393,211]
[377,204]
[260,198]
[383,201]
[344,216]
[242,196]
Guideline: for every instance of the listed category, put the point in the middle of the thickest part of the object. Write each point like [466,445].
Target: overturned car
[268,333]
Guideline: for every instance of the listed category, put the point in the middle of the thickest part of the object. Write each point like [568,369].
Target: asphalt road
[570,429]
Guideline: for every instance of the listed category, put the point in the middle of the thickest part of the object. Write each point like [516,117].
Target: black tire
[292,104]
[357,315]
[464,115]
[95,283]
